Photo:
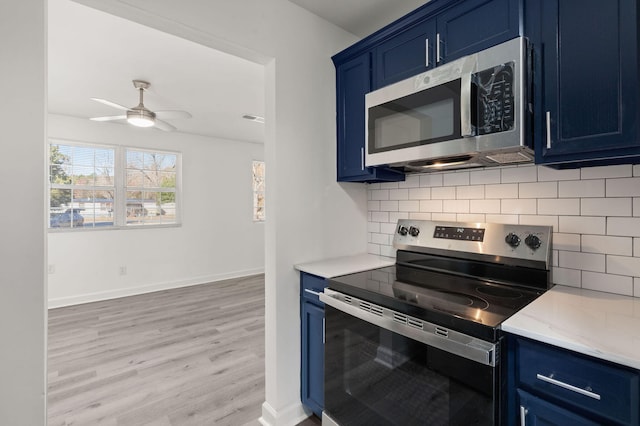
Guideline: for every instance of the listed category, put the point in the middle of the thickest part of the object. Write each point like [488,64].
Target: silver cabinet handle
[548,129]
[362,158]
[438,57]
[567,386]
[324,328]
[426,53]
[315,293]
[523,416]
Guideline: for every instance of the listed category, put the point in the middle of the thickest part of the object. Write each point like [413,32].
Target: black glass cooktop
[469,305]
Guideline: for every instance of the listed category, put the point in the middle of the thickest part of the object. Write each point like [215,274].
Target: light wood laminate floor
[188,356]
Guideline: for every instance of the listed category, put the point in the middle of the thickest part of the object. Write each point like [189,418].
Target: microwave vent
[509,157]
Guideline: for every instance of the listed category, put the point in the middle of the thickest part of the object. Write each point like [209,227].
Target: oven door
[374,375]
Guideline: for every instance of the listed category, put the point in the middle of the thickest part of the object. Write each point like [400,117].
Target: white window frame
[120,190]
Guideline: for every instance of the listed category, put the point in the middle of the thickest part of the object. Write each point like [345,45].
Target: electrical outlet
[123,270]
[52,269]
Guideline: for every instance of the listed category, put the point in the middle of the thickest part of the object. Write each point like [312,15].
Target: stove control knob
[512,239]
[414,231]
[533,241]
[402,230]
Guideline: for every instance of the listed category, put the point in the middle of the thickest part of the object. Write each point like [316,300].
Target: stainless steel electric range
[419,343]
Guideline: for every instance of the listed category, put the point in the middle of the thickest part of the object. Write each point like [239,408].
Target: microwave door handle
[466,129]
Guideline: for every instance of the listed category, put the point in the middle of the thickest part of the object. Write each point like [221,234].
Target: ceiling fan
[140,115]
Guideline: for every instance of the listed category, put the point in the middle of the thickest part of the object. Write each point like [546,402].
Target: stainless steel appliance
[419,343]
[467,113]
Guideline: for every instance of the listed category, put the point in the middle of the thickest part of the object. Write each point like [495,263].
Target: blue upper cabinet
[438,32]
[585,67]
[353,80]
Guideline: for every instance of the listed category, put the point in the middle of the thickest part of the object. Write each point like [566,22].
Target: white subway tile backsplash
[581,188]
[607,245]
[622,170]
[389,206]
[456,178]
[501,191]
[519,206]
[607,282]
[481,177]
[584,261]
[380,216]
[551,174]
[539,220]
[582,225]
[472,192]
[431,206]
[566,242]
[484,206]
[430,180]
[470,217]
[382,239]
[519,174]
[444,217]
[512,219]
[559,206]
[595,214]
[570,277]
[605,206]
[627,187]
[455,206]
[410,181]
[394,216]
[399,194]
[409,206]
[419,193]
[623,265]
[443,193]
[380,194]
[538,190]
[624,226]
[420,216]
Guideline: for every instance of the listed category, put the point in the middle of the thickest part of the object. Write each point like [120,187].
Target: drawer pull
[568,386]
[315,293]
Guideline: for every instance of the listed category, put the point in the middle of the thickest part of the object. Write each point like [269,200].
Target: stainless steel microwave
[466,113]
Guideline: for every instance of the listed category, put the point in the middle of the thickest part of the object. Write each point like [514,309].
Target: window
[258,190]
[96,186]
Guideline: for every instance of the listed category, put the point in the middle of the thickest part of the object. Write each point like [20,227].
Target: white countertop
[603,325]
[329,268]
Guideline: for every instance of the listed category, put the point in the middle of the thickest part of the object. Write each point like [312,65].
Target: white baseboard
[291,415]
[148,288]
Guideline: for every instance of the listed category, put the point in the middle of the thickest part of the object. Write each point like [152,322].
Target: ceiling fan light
[141,118]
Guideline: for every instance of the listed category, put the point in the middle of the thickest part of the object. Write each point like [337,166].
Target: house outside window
[101,187]
[258,170]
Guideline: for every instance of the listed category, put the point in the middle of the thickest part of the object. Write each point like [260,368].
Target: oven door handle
[430,334]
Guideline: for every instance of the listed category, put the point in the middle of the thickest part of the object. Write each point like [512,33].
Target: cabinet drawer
[579,382]
[310,286]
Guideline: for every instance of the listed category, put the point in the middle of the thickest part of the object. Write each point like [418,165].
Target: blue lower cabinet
[312,338]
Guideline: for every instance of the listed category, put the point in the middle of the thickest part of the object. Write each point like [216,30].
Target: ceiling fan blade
[109,118]
[111,104]
[169,114]
[163,125]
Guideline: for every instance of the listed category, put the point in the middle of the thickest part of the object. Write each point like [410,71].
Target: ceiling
[360,17]
[94,54]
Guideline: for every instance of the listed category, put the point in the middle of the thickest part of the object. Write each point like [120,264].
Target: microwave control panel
[495,99]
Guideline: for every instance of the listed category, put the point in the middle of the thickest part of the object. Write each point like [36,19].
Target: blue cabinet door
[474,25]
[406,54]
[353,81]
[312,380]
[538,412]
[585,57]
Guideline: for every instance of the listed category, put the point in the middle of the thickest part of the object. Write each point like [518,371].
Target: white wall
[310,216]
[218,238]
[594,212]
[22,241]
